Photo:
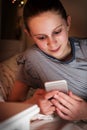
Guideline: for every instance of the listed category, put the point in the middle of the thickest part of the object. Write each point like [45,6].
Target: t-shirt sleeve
[27,73]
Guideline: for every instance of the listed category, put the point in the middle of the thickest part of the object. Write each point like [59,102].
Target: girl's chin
[56,55]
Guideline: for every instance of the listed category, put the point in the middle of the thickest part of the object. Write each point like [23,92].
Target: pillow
[1,93]
[8,70]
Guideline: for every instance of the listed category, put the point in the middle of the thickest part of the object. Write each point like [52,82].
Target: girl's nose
[51,41]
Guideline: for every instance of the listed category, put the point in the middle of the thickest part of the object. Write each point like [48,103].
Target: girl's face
[50,32]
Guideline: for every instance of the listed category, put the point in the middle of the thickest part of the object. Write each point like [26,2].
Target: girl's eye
[41,38]
[57,32]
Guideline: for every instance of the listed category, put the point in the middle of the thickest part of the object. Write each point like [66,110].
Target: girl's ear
[27,32]
[68,22]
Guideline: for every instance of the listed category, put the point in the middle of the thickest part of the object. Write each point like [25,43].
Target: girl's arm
[19,92]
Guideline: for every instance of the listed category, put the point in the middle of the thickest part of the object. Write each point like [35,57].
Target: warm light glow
[19,2]
[22,2]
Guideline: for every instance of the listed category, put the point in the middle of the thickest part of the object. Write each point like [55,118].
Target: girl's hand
[70,107]
[46,107]
[45,104]
[39,93]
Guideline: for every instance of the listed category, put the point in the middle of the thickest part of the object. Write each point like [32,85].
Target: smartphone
[60,85]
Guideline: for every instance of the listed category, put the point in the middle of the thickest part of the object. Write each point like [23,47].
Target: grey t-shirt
[36,68]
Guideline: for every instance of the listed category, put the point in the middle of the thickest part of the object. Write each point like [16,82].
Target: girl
[54,56]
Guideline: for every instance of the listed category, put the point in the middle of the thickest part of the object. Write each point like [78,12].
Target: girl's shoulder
[29,55]
[82,43]
[32,52]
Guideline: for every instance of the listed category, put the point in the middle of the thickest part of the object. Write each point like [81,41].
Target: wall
[8,19]
[9,48]
[77,9]
[0,17]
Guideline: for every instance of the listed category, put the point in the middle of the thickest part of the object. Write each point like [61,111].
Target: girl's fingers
[75,97]
[51,94]
[50,110]
[67,99]
[46,106]
[63,115]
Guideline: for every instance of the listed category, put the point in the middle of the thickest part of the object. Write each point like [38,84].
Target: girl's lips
[55,50]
